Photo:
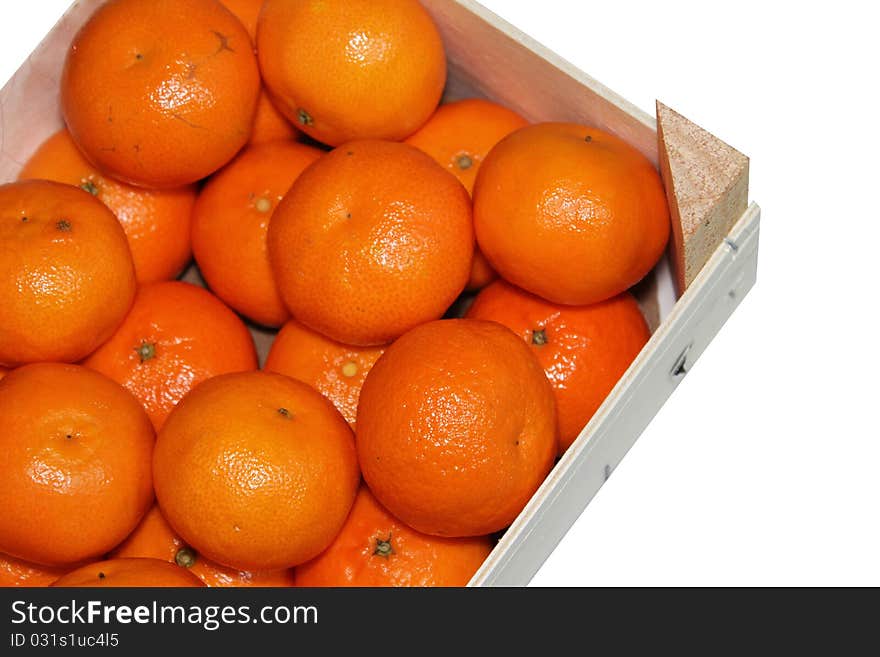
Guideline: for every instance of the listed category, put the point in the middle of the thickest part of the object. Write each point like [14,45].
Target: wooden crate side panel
[647,384]
[513,69]
[29,102]
[490,58]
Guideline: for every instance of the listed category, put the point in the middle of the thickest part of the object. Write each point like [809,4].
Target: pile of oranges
[449,285]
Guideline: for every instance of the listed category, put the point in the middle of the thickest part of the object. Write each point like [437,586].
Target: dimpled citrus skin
[115,573]
[75,452]
[231,220]
[371,240]
[352,69]
[156,222]
[155,539]
[15,572]
[459,136]
[456,427]
[175,336]
[570,213]
[269,123]
[336,370]
[216,575]
[256,471]
[584,349]
[246,11]
[376,549]
[160,93]
[66,274]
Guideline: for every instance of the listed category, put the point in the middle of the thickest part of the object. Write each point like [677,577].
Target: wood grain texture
[707,185]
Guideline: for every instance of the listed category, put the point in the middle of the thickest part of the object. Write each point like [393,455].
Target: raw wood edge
[707,187]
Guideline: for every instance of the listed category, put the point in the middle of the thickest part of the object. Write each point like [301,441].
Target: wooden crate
[686,298]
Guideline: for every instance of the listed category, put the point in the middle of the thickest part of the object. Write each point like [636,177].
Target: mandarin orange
[75,452]
[269,123]
[15,572]
[256,471]
[156,222]
[334,369]
[160,93]
[456,427]
[584,349]
[570,213]
[155,539]
[352,69]
[231,220]
[458,136]
[376,549]
[246,11]
[114,573]
[175,336]
[371,240]
[66,273]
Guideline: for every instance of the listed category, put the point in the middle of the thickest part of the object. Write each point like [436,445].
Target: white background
[764,466]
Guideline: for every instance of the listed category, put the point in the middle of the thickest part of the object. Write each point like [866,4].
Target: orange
[570,213]
[230,222]
[75,453]
[481,272]
[459,136]
[216,575]
[269,123]
[15,572]
[175,336]
[334,369]
[375,549]
[160,93]
[129,573]
[584,349]
[456,427]
[372,239]
[256,471]
[3,372]
[66,274]
[156,223]
[155,539]
[247,11]
[352,69]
